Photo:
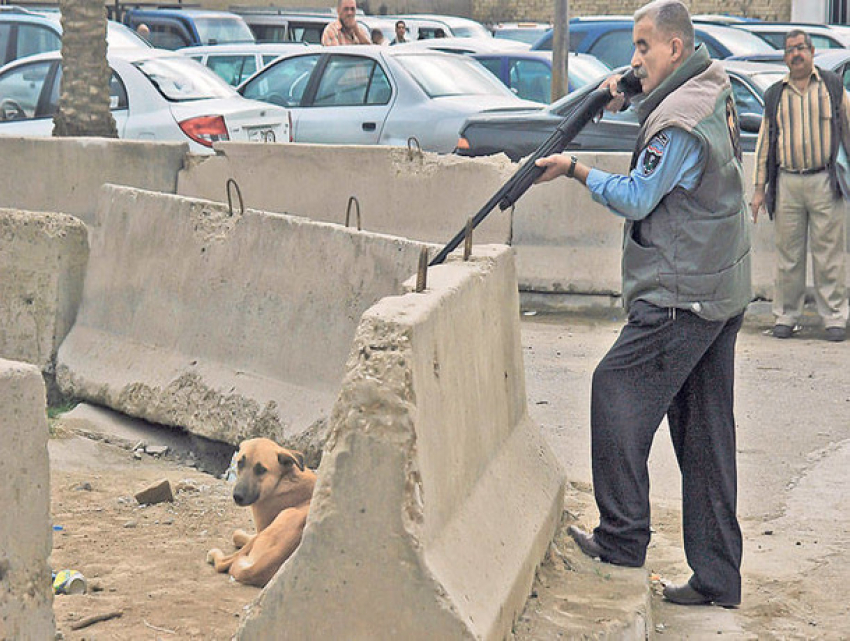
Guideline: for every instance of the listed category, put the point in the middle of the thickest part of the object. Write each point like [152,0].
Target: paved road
[793,415]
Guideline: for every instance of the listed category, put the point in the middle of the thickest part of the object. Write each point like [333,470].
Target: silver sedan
[372,95]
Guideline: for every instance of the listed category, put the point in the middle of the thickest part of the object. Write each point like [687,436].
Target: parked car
[451,25]
[177,28]
[721,18]
[271,24]
[528,32]
[275,24]
[823,36]
[527,73]
[25,33]
[610,40]
[518,134]
[837,60]
[155,95]
[236,63]
[379,95]
[453,44]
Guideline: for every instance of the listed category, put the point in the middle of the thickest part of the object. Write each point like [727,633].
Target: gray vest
[693,251]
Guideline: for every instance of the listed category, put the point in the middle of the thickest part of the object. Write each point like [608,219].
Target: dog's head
[262,465]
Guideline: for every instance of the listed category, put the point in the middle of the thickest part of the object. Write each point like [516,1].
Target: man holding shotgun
[686,284]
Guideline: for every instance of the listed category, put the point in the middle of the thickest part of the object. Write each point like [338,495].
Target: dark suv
[177,28]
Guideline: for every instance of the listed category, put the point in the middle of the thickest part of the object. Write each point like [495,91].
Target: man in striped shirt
[807,115]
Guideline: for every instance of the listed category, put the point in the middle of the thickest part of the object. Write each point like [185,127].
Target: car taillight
[289,116]
[462,143]
[205,130]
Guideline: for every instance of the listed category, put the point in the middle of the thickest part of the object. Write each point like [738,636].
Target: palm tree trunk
[84,98]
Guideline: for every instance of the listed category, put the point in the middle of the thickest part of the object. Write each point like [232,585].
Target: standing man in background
[400,33]
[806,117]
[345,30]
[686,284]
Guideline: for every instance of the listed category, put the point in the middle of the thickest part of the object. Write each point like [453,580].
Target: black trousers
[669,362]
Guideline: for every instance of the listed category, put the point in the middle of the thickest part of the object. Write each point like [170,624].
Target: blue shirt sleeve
[673,158]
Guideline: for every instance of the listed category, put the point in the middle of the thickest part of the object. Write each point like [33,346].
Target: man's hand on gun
[559,164]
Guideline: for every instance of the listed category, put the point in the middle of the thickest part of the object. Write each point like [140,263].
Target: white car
[373,95]
[26,33]
[237,62]
[155,95]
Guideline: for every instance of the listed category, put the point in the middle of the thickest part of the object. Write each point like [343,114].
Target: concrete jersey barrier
[66,174]
[437,496]
[422,196]
[231,325]
[43,260]
[26,589]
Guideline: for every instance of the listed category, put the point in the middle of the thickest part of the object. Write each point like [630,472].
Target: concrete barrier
[437,496]
[566,243]
[42,265]
[567,246]
[65,174]
[423,196]
[231,325]
[26,590]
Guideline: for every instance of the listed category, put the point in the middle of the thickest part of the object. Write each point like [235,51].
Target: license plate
[261,134]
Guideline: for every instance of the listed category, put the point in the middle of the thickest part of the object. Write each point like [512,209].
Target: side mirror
[750,122]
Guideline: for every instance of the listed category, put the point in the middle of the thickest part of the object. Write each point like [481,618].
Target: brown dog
[274,482]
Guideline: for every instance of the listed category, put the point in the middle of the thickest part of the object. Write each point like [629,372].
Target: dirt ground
[148,563]
[145,562]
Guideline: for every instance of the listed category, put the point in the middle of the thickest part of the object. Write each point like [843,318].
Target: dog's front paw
[212,554]
[241,538]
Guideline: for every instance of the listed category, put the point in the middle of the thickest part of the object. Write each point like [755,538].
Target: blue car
[178,28]
[610,40]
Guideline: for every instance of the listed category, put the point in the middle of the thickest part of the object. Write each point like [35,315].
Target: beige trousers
[807,212]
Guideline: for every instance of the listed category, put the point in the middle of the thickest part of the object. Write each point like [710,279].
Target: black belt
[803,172]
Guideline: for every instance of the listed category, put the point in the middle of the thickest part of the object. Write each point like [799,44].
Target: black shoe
[836,334]
[782,331]
[684,594]
[586,542]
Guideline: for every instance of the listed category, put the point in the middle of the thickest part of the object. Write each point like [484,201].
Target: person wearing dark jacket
[806,118]
[686,284]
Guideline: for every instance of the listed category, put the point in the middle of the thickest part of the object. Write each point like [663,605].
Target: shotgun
[567,129]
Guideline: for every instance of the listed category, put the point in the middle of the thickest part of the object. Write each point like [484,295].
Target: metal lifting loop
[467,239]
[352,199]
[230,182]
[413,146]
[422,272]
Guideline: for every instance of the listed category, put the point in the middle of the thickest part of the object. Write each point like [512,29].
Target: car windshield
[470,31]
[180,79]
[585,70]
[218,30]
[529,36]
[120,37]
[738,41]
[451,76]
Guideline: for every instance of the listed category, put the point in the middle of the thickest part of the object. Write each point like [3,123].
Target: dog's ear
[293,458]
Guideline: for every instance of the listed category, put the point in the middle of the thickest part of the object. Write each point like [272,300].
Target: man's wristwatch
[572,170]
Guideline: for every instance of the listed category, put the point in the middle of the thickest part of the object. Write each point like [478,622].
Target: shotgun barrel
[525,176]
